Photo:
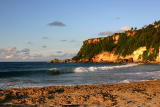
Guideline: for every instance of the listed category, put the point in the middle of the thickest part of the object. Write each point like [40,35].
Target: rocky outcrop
[105,57]
[94,40]
[61,61]
[156,26]
[115,38]
[131,33]
[112,57]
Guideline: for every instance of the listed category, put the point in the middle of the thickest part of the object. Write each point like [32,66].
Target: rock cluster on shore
[129,60]
[138,94]
[61,61]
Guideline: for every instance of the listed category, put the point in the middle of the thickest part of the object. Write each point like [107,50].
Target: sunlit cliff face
[111,57]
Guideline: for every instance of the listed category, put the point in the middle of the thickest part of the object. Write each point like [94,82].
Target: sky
[41,30]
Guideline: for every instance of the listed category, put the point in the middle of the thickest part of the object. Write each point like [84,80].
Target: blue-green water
[35,74]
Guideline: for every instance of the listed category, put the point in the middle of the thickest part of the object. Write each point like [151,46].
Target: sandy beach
[137,94]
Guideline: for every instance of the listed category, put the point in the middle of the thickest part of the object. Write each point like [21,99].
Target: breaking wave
[102,68]
[56,71]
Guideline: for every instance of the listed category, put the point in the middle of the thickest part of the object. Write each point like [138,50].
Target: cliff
[136,56]
[140,45]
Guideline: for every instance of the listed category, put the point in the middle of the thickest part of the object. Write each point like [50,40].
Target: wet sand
[142,94]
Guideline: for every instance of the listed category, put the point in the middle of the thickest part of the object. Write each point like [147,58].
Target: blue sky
[40,30]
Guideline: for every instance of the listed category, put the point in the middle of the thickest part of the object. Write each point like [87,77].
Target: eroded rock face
[136,56]
[116,38]
[94,40]
[131,33]
[105,57]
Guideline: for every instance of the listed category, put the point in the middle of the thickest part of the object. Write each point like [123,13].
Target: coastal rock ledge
[61,61]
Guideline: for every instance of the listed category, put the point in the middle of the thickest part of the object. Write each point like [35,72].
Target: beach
[79,53]
[136,94]
[38,84]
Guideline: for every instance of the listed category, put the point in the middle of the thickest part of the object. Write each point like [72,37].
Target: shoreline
[144,93]
[116,62]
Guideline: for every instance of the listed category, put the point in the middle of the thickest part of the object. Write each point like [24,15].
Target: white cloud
[8,57]
[108,33]
[13,54]
[125,28]
[9,54]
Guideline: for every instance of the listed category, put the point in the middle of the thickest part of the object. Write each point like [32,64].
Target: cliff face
[93,40]
[136,56]
[112,57]
[141,45]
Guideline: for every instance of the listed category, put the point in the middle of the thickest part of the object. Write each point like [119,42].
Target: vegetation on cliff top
[148,36]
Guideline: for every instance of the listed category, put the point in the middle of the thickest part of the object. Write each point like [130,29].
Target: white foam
[52,69]
[80,69]
[102,68]
[153,73]
[125,81]
[129,81]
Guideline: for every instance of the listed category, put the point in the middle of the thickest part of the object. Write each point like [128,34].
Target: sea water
[37,74]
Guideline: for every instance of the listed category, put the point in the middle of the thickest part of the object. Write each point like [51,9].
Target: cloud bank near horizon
[13,54]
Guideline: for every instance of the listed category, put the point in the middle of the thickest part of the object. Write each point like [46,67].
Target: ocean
[38,74]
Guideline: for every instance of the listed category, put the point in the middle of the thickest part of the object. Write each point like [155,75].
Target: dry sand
[137,94]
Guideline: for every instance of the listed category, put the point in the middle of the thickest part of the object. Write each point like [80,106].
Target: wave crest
[55,71]
[102,68]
